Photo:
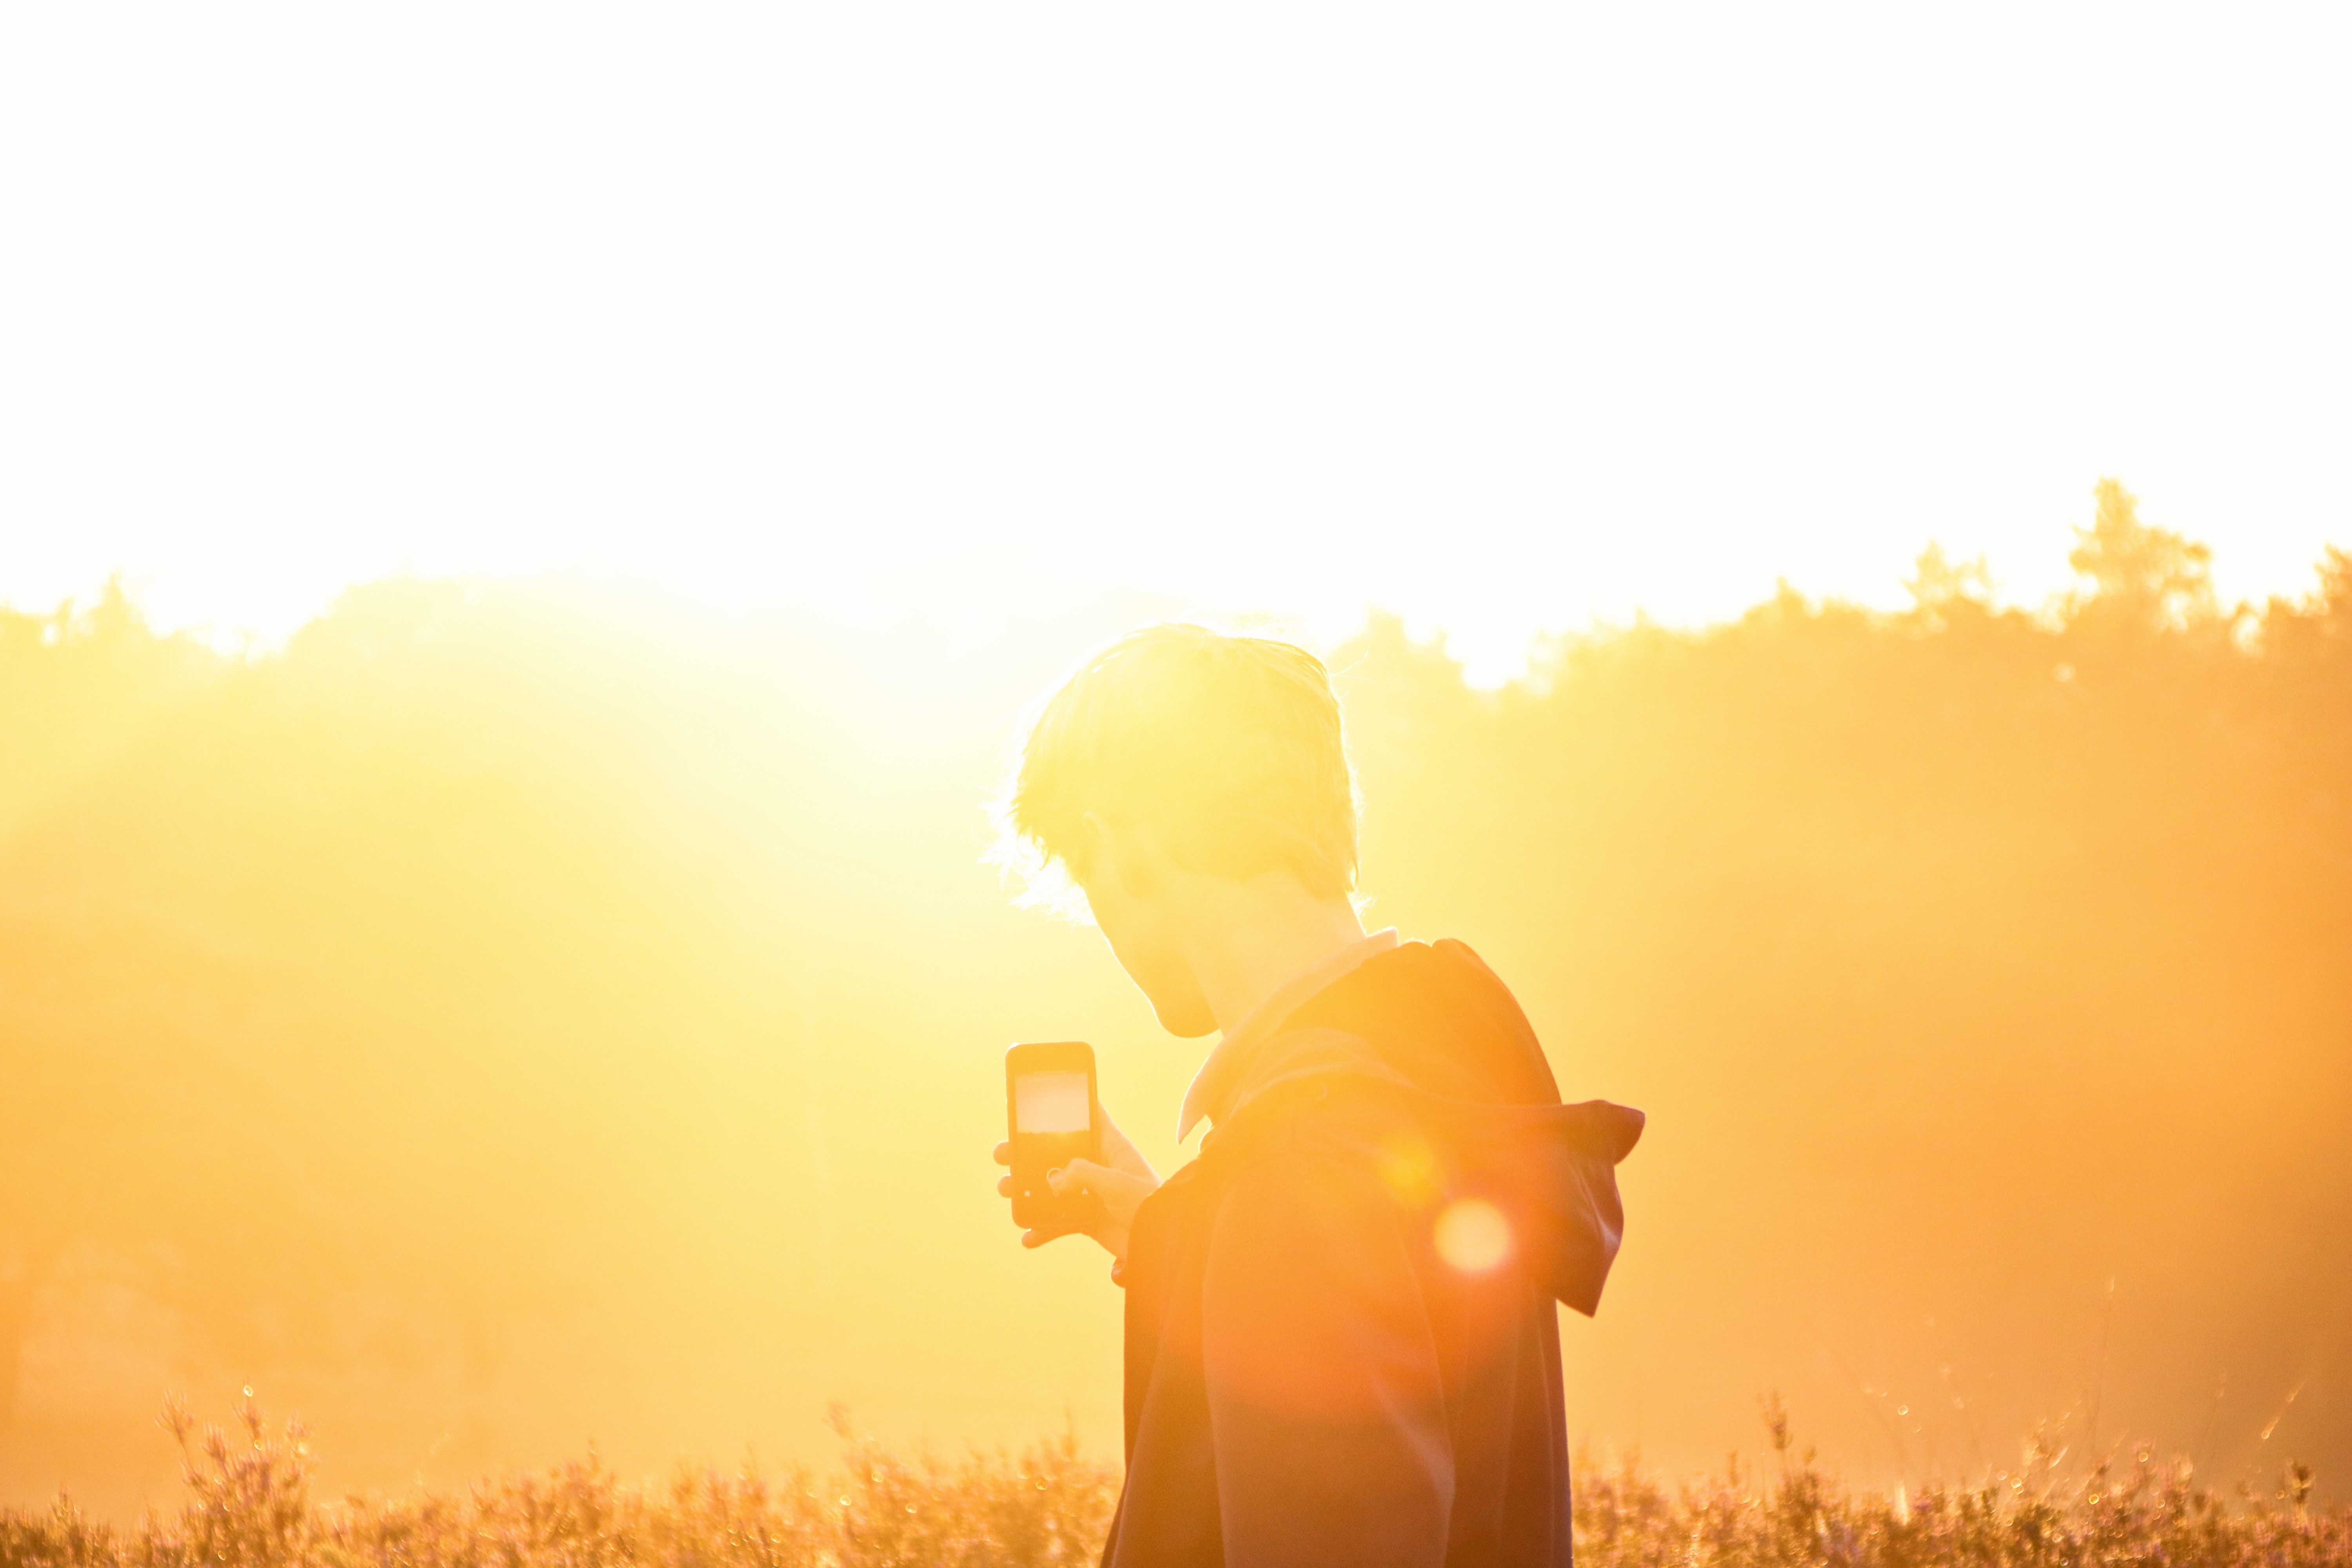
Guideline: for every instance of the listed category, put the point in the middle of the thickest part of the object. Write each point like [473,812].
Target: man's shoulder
[1436,1014]
[1326,1150]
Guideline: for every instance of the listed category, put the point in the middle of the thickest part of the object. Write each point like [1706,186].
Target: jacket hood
[1430,1028]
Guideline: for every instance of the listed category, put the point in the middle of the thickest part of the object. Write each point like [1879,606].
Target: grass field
[251,1500]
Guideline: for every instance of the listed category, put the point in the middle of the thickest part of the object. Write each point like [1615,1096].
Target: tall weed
[250,1504]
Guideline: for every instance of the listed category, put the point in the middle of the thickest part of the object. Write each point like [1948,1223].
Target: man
[1341,1344]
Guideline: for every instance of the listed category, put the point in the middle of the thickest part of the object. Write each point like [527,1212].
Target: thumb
[1077,1176]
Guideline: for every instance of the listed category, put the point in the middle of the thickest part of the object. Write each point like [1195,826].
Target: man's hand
[1121,1185]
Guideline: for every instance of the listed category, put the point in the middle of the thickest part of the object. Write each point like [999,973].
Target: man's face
[1142,930]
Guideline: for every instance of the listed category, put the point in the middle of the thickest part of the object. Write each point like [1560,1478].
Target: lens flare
[1473,1236]
[1409,1169]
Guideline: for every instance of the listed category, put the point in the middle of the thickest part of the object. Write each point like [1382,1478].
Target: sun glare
[1504,327]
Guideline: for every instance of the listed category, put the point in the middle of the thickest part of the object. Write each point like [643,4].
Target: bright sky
[1506,319]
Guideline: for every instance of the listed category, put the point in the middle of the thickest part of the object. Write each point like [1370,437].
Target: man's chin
[1186,1023]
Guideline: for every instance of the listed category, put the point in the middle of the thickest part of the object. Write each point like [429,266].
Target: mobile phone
[1049,1109]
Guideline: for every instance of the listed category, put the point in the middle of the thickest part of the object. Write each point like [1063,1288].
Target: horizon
[1490,657]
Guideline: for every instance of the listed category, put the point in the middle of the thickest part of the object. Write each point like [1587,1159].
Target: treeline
[515,1014]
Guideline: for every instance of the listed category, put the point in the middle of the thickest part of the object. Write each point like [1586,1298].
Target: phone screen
[1052,1102]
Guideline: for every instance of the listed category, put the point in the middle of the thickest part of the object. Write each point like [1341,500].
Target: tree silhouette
[2141,576]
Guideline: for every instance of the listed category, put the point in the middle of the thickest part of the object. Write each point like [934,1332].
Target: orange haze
[518,1014]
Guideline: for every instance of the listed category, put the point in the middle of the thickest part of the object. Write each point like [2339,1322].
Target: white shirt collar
[1212,1090]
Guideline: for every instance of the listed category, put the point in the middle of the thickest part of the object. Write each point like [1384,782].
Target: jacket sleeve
[1327,1407]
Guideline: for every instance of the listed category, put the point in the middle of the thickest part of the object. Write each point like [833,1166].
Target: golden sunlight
[1700,650]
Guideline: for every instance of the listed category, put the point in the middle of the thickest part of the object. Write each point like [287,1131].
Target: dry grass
[251,1502]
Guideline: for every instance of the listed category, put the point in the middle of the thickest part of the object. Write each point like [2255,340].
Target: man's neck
[1259,936]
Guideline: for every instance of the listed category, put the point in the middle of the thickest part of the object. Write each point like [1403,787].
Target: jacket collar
[1228,1063]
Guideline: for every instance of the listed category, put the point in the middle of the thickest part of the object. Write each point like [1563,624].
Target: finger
[1005,1154]
[1122,1155]
[1077,1176]
[1004,1186]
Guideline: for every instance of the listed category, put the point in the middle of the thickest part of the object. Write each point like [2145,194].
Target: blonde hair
[1227,749]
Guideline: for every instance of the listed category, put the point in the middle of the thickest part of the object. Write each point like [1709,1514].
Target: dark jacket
[1341,1346]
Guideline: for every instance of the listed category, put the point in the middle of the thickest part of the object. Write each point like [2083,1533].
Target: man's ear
[1089,858]
[1125,858]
